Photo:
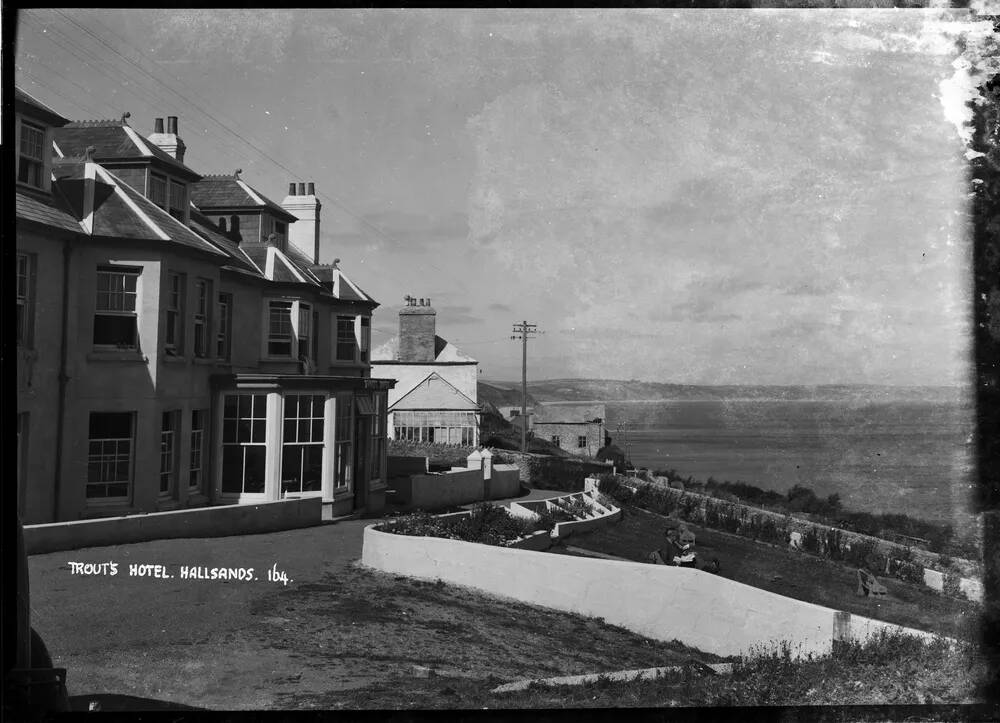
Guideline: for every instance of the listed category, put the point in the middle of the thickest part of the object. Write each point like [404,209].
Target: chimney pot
[302,189]
[158,125]
[172,124]
[312,188]
[291,189]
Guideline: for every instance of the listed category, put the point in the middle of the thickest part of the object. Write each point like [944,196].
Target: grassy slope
[791,573]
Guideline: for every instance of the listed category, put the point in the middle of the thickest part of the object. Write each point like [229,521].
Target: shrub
[487,524]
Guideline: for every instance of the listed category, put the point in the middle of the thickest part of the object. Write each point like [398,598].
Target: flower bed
[486,523]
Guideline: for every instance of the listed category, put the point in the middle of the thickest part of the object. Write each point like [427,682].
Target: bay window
[288,324]
[302,443]
[347,343]
[244,443]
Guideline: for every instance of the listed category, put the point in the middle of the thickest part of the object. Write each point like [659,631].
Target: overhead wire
[323,195]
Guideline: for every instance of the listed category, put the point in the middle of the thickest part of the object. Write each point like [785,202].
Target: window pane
[232,469]
[254,470]
[290,435]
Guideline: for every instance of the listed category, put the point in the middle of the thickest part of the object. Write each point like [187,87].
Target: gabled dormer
[33,137]
[141,163]
[242,212]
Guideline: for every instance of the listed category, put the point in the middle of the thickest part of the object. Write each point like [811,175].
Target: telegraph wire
[149,96]
[323,194]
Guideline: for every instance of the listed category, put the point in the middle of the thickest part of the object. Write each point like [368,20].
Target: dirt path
[335,627]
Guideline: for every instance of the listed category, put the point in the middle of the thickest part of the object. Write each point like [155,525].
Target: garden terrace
[790,573]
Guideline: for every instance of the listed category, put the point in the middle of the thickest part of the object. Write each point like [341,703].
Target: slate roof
[229,192]
[203,226]
[46,211]
[113,143]
[31,106]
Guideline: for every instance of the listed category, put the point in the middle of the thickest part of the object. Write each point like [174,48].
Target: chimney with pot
[417,328]
[168,142]
[304,233]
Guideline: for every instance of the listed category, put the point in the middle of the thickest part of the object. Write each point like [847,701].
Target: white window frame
[223,334]
[126,296]
[298,442]
[115,457]
[351,328]
[363,332]
[202,317]
[169,423]
[196,458]
[31,160]
[298,311]
[173,305]
[242,494]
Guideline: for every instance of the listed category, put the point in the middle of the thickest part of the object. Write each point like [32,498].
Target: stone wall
[546,472]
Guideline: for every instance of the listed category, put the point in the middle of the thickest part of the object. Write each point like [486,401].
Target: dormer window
[158,190]
[31,159]
[178,200]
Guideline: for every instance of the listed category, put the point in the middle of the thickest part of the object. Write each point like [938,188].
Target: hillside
[570,390]
[502,394]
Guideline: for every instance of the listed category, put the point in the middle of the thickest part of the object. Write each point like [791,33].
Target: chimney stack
[304,233]
[417,328]
[168,142]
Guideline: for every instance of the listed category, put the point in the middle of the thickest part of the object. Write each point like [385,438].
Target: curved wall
[705,611]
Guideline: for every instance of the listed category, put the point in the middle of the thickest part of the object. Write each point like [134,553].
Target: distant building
[434,399]
[513,415]
[576,428]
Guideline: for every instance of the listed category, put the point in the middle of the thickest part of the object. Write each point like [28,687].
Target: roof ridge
[94,123]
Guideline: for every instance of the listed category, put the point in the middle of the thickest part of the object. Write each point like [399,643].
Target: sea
[914,458]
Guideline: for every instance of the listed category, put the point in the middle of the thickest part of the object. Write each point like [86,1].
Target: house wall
[705,611]
[38,375]
[568,434]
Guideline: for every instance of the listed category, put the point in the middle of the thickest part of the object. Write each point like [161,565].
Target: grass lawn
[788,572]
[323,641]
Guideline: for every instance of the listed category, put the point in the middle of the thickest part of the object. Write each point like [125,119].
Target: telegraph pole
[524,331]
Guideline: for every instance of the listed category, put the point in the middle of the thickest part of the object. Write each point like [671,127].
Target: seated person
[670,551]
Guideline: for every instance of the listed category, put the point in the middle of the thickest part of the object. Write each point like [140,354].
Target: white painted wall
[702,610]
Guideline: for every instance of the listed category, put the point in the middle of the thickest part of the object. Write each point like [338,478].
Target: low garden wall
[547,472]
[705,611]
[398,466]
[430,491]
[216,521]
[882,557]
[601,515]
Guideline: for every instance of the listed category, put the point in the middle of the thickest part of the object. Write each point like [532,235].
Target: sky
[699,197]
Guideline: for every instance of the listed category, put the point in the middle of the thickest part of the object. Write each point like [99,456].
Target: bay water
[914,458]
